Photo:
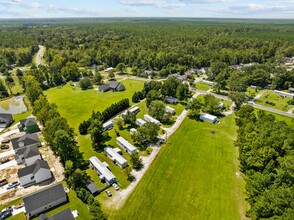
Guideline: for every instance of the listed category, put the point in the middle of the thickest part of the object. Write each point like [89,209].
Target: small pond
[14,105]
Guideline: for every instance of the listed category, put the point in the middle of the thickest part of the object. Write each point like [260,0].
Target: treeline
[266,154]
[61,139]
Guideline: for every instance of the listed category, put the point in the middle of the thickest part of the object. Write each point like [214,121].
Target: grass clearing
[288,120]
[272,100]
[77,105]
[193,177]
[203,86]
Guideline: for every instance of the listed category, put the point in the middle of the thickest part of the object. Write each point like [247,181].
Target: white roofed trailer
[152,120]
[140,122]
[114,155]
[170,110]
[129,148]
[108,125]
[208,118]
[102,169]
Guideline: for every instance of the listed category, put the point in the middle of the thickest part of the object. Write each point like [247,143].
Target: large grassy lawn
[203,86]
[278,101]
[193,177]
[77,105]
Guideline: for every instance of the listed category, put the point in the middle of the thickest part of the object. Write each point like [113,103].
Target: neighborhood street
[40,55]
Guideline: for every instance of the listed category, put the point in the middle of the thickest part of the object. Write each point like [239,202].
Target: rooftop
[102,167]
[115,155]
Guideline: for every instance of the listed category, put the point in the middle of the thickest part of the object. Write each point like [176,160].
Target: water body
[13,105]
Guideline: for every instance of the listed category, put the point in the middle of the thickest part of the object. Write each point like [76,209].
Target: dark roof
[104,88]
[34,168]
[31,152]
[27,139]
[63,215]
[43,197]
[28,121]
[120,87]
[6,117]
[91,187]
[113,84]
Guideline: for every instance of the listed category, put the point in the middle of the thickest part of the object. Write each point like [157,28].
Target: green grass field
[193,177]
[288,120]
[202,86]
[280,102]
[77,105]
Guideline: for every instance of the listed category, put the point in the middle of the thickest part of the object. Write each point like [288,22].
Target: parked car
[5,160]
[8,209]
[115,186]
[13,185]
[108,193]
[19,206]
[5,215]
[5,141]
[4,146]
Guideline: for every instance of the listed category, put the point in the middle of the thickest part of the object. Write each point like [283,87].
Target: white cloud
[152,3]
[205,1]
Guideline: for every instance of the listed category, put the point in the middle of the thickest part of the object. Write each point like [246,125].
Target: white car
[115,187]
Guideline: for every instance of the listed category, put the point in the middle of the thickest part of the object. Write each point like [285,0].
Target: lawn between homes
[193,177]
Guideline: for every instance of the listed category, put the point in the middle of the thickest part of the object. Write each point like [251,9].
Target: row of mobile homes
[108,125]
[151,119]
[116,157]
[140,122]
[209,118]
[170,110]
[127,146]
[102,169]
[285,94]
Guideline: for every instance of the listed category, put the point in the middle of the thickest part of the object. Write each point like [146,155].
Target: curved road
[40,55]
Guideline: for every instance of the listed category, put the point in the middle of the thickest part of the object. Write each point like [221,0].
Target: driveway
[8,164]
[6,154]
[17,211]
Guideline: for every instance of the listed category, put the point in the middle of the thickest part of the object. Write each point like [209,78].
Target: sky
[280,9]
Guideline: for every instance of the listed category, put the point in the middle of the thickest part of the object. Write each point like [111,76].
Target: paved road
[40,55]
[7,153]
[253,104]
[8,164]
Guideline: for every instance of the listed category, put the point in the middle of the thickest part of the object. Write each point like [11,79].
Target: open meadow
[195,176]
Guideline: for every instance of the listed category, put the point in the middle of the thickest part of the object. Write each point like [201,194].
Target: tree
[129,118]
[238,98]
[32,88]
[111,74]
[84,126]
[71,71]
[153,95]
[98,78]
[182,91]
[211,105]
[169,87]
[85,83]
[136,162]
[119,124]
[157,109]
[78,179]
[121,67]
[149,132]
[194,106]
[96,132]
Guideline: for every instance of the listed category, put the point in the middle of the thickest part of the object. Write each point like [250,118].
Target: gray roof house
[29,125]
[102,169]
[27,155]
[35,173]
[5,120]
[26,140]
[113,85]
[45,199]
[65,214]
[91,187]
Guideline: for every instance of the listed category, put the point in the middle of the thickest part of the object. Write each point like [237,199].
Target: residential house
[93,189]
[209,118]
[127,146]
[36,173]
[151,119]
[27,155]
[29,125]
[115,155]
[108,125]
[102,169]
[65,214]
[171,100]
[24,141]
[170,110]
[5,120]
[140,122]
[44,200]
[112,85]
[284,94]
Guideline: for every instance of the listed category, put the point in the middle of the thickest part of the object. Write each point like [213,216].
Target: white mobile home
[208,82]
[129,148]
[102,169]
[152,120]
[285,94]
[114,155]
[133,131]
[140,122]
[208,118]
[108,125]
[134,110]
[170,110]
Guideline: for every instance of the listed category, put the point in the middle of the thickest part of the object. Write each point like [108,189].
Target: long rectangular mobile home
[140,122]
[129,148]
[170,110]
[102,169]
[208,118]
[152,120]
[114,155]
[108,125]
[285,94]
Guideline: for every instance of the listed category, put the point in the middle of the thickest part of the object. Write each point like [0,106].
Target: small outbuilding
[93,189]
[171,100]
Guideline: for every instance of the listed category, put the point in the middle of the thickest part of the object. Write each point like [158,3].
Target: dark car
[5,215]
[12,185]
[5,141]
[5,160]
[4,147]
[108,193]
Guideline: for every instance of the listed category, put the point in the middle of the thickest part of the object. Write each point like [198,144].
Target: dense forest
[266,159]
[163,45]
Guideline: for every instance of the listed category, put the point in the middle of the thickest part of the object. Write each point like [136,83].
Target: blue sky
[147,8]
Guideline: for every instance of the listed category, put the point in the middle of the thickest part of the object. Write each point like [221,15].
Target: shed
[91,187]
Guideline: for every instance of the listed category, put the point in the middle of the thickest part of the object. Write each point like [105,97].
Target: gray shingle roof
[28,121]
[31,152]
[104,88]
[63,215]
[6,117]
[27,139]
[91,187]
[43,197]
[33,169]
[113,84]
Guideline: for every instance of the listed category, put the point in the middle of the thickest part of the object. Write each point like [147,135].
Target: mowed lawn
[77,105]
[195,176]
